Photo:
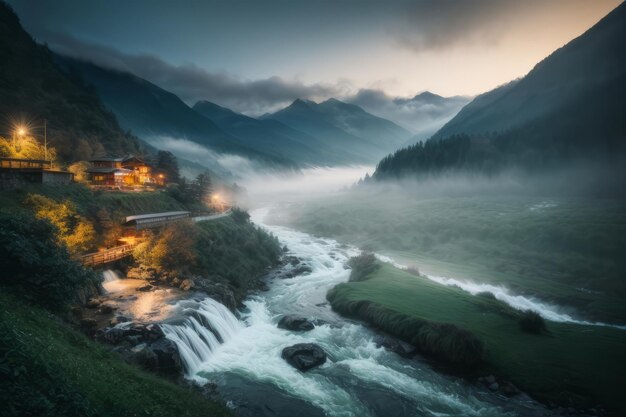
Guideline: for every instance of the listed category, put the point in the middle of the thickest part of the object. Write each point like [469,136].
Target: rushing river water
[243,356]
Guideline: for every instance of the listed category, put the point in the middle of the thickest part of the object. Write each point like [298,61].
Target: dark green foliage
[33,88]
[235,251]
[239,216]
[193,193]
[167,163]
[443,341]
[34,265]
[532,322]
[49,370]
[362,266]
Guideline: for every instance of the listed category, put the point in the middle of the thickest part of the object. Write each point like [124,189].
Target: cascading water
[206,325]
[110,275]
[359,378]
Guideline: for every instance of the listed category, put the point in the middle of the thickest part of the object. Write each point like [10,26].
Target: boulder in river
[304,356]
[168,358]
[296,323]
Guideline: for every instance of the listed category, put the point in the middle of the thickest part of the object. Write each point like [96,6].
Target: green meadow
[584,364]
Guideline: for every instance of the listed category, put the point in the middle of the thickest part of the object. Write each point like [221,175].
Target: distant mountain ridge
[569,109]
[160,117]
[264,135]
[344,129]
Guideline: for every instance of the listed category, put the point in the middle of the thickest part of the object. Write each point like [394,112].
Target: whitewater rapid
[243,356]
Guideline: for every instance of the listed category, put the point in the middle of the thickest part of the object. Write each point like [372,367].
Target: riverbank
[49,369]
[570,365]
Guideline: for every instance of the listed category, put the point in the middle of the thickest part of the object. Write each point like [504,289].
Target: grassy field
[48,369]
[565,251]
[585,363]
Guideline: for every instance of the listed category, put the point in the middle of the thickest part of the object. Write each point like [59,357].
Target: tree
[166,162]
[73,230]
[79,169]
[202,187]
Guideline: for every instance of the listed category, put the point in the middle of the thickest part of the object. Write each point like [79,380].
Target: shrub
[362,266]
[76,232]
[174,248]
[36,265]
[532,322]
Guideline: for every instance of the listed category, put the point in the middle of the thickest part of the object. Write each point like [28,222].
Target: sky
[256,56]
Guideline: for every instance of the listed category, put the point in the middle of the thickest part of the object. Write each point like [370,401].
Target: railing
[109,255]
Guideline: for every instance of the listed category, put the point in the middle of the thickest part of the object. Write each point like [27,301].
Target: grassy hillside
[33,88]
[48,369]
[584,363]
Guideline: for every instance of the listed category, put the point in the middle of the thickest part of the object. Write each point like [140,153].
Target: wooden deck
[110,255]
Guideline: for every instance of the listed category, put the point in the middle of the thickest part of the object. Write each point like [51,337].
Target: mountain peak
[427,95]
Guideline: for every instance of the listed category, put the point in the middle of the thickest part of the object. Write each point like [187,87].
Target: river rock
[145,288]
[295,323]
[93,303]
[105,309]
[187,284]
[217,291]
[144,356]
[119,319]
[168,358]
[393,345]
[304,356]
[494,387]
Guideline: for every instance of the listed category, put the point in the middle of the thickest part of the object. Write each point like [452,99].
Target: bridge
[109,255]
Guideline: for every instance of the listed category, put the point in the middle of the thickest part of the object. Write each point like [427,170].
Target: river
[242,356]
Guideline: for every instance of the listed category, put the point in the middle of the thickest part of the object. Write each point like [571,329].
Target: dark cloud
[192,83]
[436,25]
[423,114]
[441,24]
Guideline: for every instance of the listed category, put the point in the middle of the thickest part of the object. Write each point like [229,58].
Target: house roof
[108,170]
[116,159]
[166,215]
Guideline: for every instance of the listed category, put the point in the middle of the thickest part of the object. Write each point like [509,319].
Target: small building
[16,171]
[124,171]
[115,177]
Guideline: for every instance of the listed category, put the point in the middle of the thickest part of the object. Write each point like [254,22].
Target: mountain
[570,108]
[423,114]
[162,119]
[34,88]
[345,130]
[267,134]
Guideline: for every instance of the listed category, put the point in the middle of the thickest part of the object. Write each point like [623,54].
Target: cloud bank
[423,114]
[193,83]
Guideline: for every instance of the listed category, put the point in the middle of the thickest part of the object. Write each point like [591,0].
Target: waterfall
[110,275]
[206,325]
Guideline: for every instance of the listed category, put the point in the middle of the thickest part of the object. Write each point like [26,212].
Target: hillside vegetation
[33,88]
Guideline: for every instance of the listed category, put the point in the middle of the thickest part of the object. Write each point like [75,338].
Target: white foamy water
[519,302]
[358,379]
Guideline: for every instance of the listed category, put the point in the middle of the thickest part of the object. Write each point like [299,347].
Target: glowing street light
[21,131]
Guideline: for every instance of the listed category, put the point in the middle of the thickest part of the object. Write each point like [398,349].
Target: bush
[174,249]
[532,322]
[37,266]
[362,266]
